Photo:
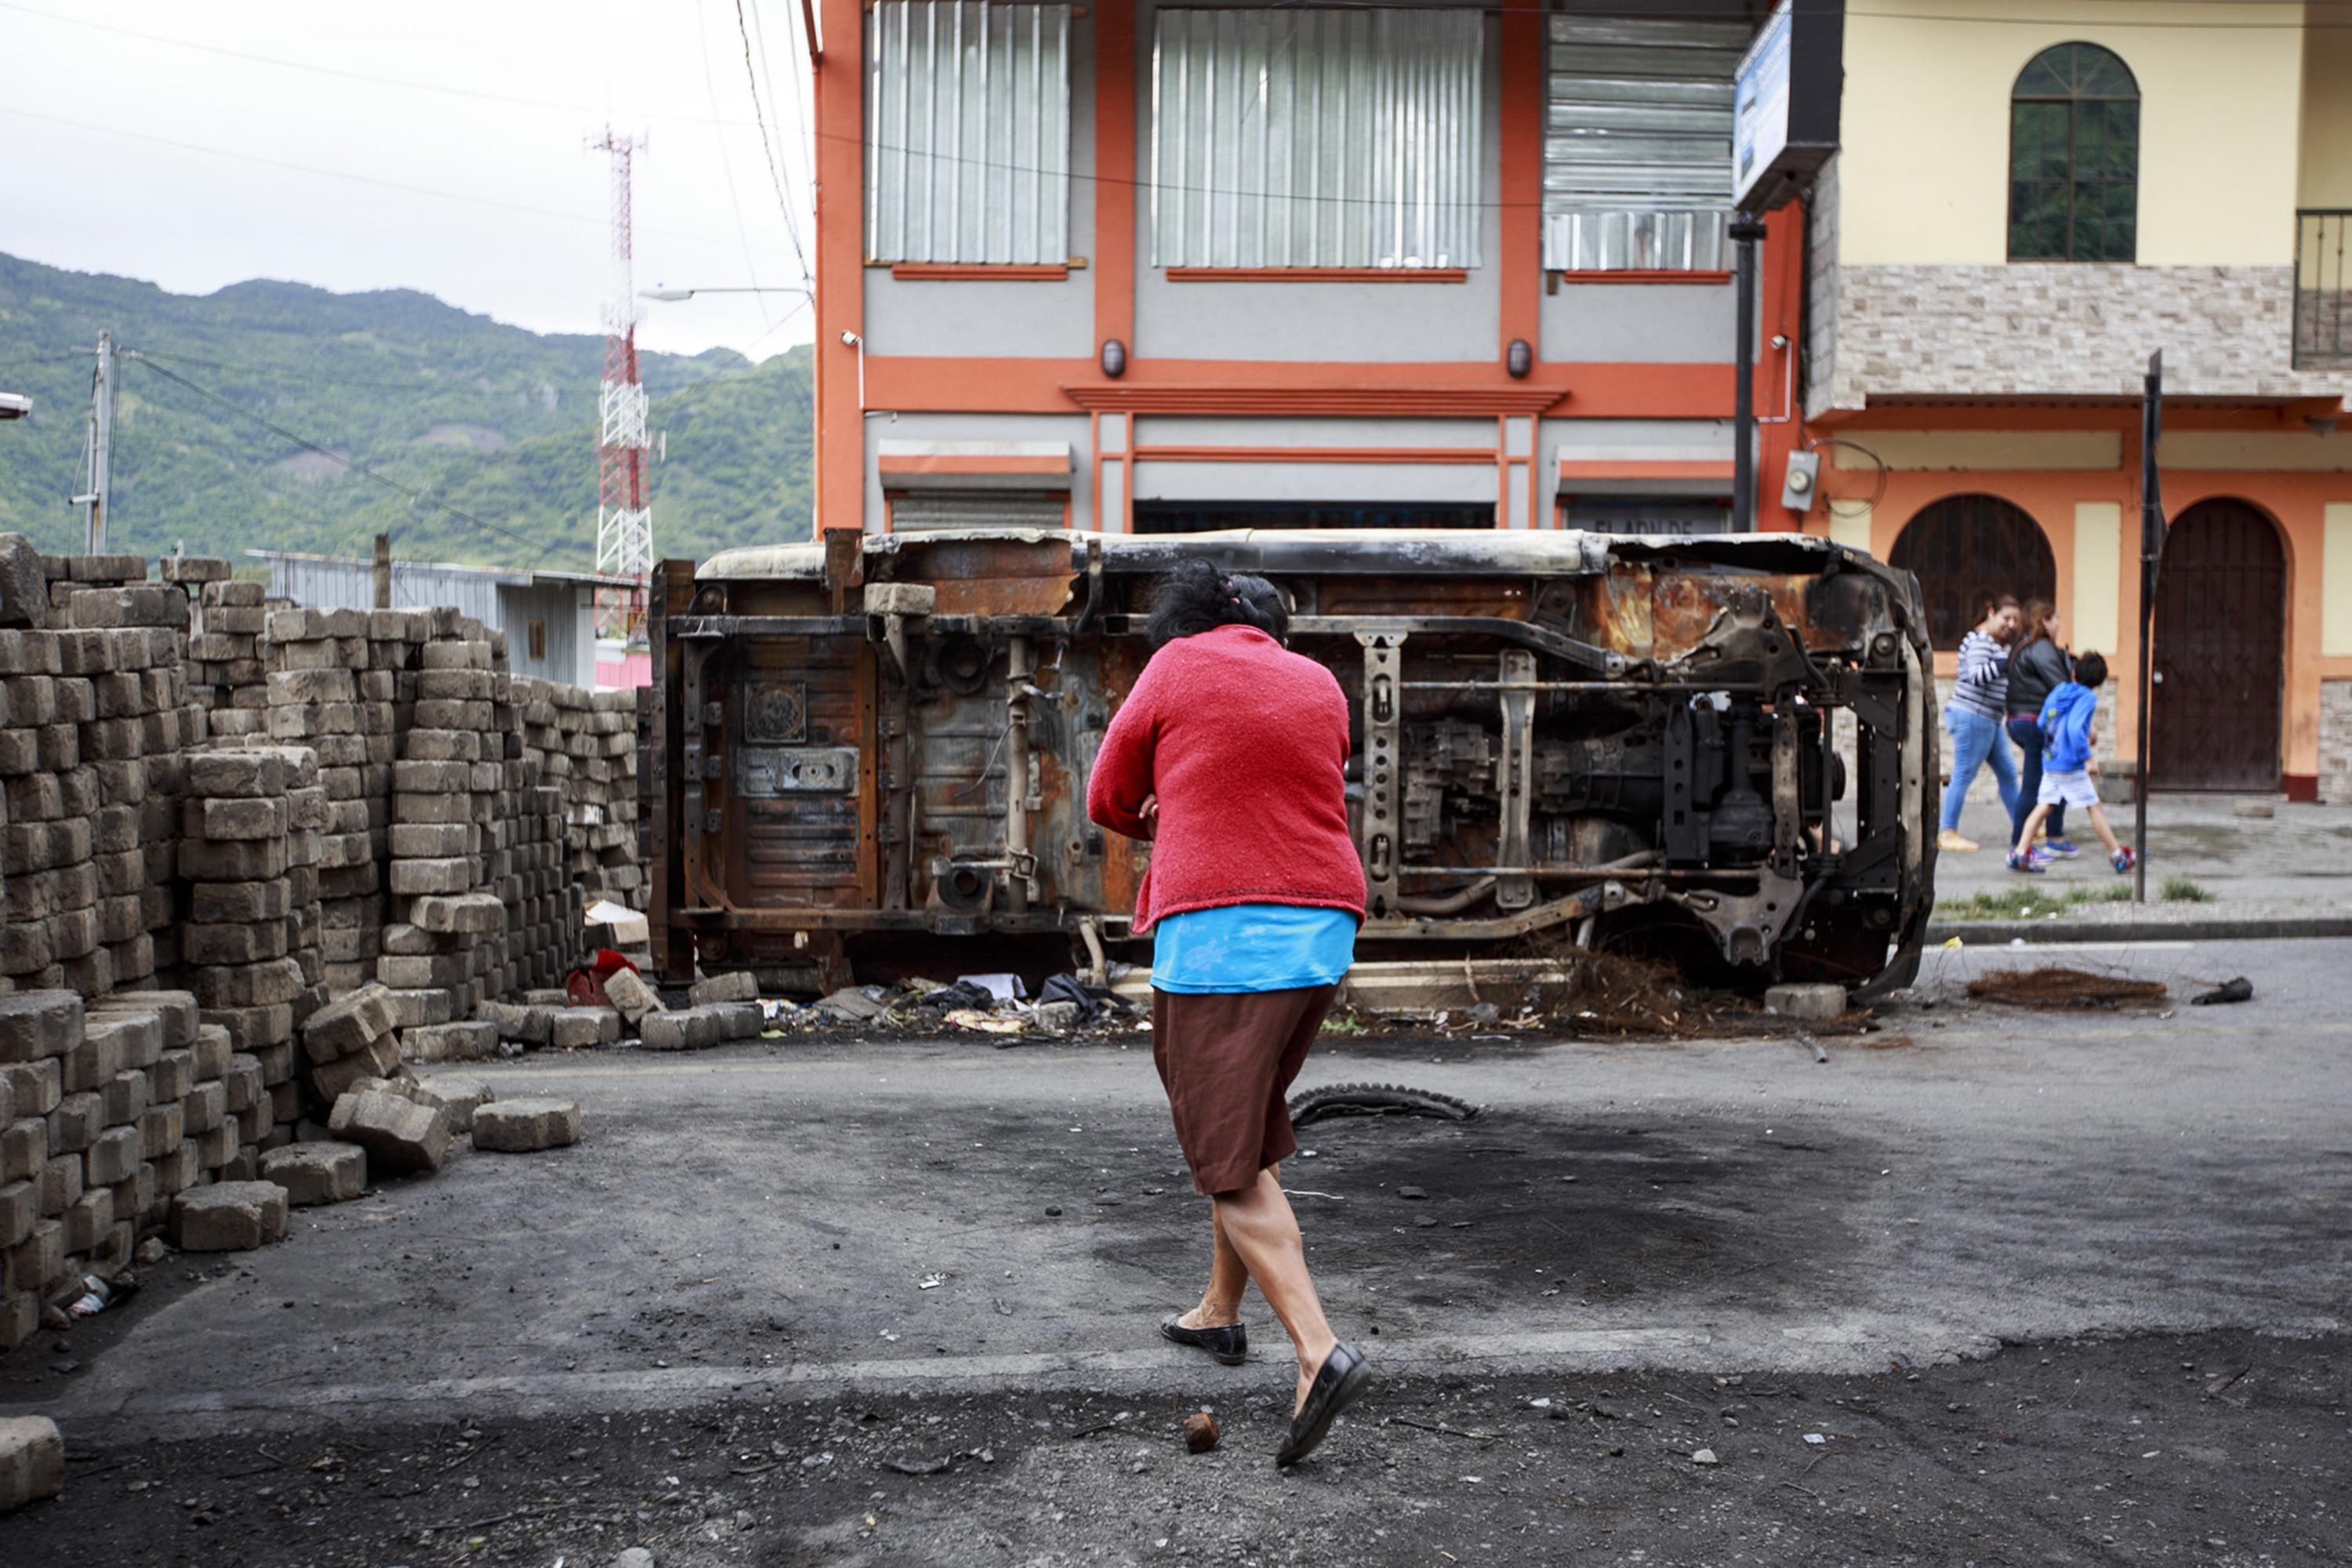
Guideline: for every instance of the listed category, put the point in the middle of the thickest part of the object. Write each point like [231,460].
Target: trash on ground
[1003,987]
[2238,990]
[1201,1431]
[2055,985]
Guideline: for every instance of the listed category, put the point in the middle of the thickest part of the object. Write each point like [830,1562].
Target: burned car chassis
[1724,747]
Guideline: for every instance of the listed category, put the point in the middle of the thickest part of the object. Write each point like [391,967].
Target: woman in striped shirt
[1974,716]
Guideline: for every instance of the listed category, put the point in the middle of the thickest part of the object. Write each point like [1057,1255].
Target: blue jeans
[2026,730]
[1976,741]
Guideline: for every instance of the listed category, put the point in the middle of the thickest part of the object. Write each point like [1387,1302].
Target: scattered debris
[2238,990]
[919,1466]
[1705,1456]
[2054,985]
[1376,1099]
[1201,1431]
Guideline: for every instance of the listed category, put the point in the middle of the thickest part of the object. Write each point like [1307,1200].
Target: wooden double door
[2220,652]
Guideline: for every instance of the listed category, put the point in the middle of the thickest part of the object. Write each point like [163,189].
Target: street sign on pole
[2151,560]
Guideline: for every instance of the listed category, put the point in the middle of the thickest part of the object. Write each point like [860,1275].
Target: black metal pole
[1745,229]
[2151,557]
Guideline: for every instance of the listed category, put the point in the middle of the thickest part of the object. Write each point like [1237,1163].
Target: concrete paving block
[1821,1000]
[32,1454]
[228,1217]
[740,1020]
[515,1021]
[463,914]
[38,1024]
[340,1028]
[522,1126]
[735,986]
[399,1135]
[573,1028]
[20,1211]
[469,1042]
[332,1080]
[457,1096]
[630,995]
[314,1173]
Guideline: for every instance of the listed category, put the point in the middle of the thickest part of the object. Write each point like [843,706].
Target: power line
[406,82]
[341,173]
[277,374]
[417,495]
[726,163]
[751,75]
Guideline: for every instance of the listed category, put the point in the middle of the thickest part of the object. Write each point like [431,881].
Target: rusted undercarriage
[874,751]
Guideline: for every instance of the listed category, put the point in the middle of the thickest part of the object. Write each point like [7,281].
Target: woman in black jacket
[2038,666]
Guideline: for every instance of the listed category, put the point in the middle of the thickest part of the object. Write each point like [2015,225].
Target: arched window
[2074,158]
[1967,549]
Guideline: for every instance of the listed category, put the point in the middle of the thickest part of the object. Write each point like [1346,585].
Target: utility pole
[99,475]
[1745,229]
[2151,563]
[382,572]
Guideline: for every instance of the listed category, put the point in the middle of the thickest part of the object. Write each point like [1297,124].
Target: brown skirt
[1227,1060]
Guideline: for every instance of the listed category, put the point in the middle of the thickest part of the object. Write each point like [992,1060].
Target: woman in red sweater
[1230,755]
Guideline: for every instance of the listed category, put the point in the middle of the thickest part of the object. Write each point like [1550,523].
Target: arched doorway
[1965,548]
[2220,651]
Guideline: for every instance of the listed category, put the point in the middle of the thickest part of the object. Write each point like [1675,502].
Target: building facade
[1144,267]
[1150,267]
[2021,213]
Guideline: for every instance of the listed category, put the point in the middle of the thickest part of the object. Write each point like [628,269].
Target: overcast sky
[449,139]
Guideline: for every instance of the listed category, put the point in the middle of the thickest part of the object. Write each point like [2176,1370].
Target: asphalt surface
[2049,1286]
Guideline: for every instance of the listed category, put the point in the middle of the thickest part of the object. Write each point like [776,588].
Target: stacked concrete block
[250,833]
[225,664]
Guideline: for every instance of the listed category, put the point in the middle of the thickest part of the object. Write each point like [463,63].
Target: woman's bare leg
[1258,1224]
[1221,1302]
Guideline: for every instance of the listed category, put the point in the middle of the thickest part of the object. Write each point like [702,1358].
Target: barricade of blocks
[250,835]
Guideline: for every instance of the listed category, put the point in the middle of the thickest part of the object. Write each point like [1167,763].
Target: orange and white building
[1145,268]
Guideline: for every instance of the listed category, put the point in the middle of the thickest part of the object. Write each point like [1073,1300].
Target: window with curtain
[968,133]
[1308,137]
[2074,158]
[1637,142]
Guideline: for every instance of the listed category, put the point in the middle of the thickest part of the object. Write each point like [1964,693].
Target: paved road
[755,1228]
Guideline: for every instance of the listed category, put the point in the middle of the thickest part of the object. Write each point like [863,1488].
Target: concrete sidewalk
[2287,874]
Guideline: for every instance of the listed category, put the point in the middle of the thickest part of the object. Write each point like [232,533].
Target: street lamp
[672,296]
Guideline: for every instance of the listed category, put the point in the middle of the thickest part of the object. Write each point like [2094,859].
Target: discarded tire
[1376,1099]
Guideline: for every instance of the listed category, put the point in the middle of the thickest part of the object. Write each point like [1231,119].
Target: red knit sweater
[1245,744]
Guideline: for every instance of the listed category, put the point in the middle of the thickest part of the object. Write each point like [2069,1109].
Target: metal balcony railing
[2323,289]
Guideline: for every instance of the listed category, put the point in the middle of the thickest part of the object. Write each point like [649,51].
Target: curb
[2244,927]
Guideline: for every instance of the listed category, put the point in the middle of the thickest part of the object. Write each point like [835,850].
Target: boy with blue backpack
[2067,765]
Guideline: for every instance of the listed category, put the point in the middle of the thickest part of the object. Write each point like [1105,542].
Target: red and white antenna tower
[625,519]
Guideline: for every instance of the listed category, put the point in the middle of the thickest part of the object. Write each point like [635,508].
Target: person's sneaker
[2060,849]
[2025,863]
[2041,856]
[1950,841]
[2123,860]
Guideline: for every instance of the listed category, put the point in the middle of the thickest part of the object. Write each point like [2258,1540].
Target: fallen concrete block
[573,1028]
[449,1042]
[740,1020]
[315,1173]
[228,1217]
[737,985]
[457,1096]
[332,1080]
[399,1133]
[1820,1000]
[630,995]
[521,1126]
[694,1029]
[515,1021]
[32,1454]
[351,1025]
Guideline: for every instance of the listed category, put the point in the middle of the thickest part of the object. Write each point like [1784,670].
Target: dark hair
[2090,670]
[2037,623]
[1195,597]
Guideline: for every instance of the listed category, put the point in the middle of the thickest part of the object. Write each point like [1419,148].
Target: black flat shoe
[1229,1344]
[1344,1375]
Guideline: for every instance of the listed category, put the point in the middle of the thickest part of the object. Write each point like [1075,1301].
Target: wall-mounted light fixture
[1114,358]
[1520,359]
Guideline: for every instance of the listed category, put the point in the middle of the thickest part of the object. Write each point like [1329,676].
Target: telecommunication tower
[625,519]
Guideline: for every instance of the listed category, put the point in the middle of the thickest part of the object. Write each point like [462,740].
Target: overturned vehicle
[869,756]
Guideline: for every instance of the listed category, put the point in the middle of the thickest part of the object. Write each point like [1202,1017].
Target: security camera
[853,340]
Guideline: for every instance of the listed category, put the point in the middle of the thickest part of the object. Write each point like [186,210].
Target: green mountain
[488,420]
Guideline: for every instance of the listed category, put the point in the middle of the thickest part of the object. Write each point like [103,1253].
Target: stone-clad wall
[2335,740]
[2081,328]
